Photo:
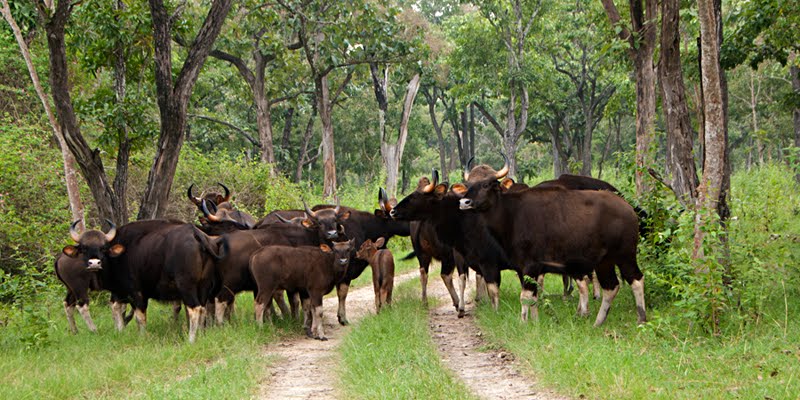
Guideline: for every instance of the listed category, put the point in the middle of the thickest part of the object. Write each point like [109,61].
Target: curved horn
[227,193]
[112,232]
[284,220]
[468,168]
[195,200]
[429,187]
[211,217]
[382,199]
[73,232]
[338,206]
[311,214]
[504,171]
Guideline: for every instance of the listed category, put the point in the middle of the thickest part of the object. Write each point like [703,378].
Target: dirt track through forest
[305,368]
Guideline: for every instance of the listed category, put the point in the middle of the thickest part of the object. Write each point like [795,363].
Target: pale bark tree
[795,72]
[641,39]
[173,97]
[680,162]
[432,95]
[514,35]
[711,190]
[70,172]
[392,148]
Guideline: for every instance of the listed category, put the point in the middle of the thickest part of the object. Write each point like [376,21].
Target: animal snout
[331,234]
[343,261]
[465,204]
[94,264]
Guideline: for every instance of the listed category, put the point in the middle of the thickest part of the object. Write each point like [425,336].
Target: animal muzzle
[331,234]
[344,261]
[465,204]
[94,264]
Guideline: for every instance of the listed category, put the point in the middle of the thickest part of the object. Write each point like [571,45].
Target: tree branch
[229,125]
[489,117]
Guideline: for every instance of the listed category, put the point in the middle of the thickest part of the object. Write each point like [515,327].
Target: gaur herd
[575,226]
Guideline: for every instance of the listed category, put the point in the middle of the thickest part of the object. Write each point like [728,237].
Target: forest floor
[306,368]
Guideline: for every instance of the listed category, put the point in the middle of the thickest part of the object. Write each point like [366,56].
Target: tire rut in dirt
[489,373]
[306,367]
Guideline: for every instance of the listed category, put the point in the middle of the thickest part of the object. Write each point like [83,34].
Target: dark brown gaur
[484,171]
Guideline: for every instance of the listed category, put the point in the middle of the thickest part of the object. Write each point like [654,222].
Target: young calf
[311,271]
[382,264]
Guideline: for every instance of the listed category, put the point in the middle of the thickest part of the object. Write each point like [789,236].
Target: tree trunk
[264,121]
[586,157]
[680,161]
[173,99]
[90,163]
[795,72]
[432,98]
[123,154]
[641,49]
[328,156]
[302,158]
[70,173]
[711,185]
[287,131]
[392,151]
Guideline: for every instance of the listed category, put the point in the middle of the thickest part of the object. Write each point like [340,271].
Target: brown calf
[382,264]
[312,271]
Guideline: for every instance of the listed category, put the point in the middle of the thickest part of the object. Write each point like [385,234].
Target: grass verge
[225,362]
[391,355]
[622,361]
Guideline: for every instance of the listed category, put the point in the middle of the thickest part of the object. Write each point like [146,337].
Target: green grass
[622,361]
[225,362]
[391,355]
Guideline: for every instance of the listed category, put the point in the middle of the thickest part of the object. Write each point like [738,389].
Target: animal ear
[345,215]
[307,223]
[440,189]
[379,243]
[116,250]
[325,248]
[70,251]
[459,189]
[506,183]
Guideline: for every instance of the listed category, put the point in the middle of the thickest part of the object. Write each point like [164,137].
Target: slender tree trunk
[302,158]
[264,121]
[70,172]
[680,162]
[392,151]
[123,154]
[324,107]
[795,72]
[288,121]
[586,157]
[711,185]
[432,98]
[173,98]
[641,50]
[89,161]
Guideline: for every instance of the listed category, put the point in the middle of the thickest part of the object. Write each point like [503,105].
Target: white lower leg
[540,283]
[638,294]
[494,294]
[423,280]
[195,314]
[141,319]
[118,313]
[596,286]
[448,283]
[480,288]
[260,308]
[341,291]
[70,311]
[84,310]
[462,281]
[318,321]
[527,302]
[583,296]
[220,308]
[608,297]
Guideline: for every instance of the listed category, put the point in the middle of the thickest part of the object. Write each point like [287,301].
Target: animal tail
[410,255]
[211,246]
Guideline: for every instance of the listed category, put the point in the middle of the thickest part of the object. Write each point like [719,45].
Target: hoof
[461,313]
[343,322]
[322,338]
